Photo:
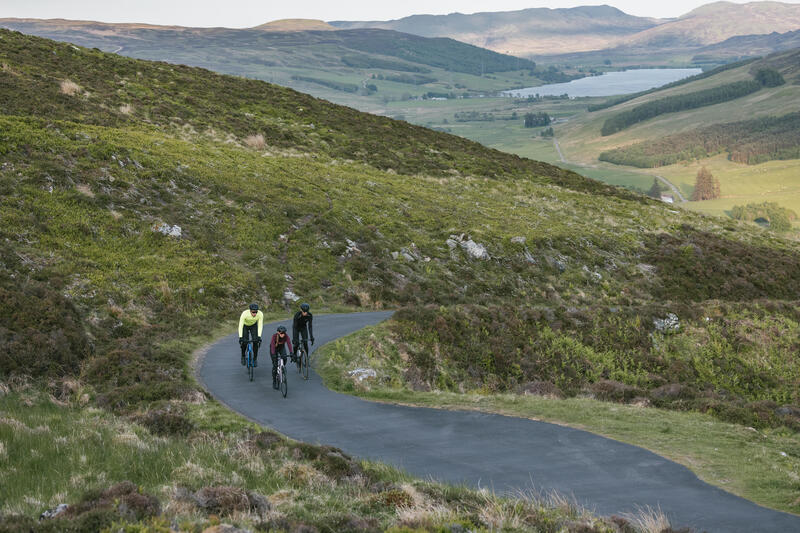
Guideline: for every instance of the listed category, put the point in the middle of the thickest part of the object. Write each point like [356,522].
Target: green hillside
[147,203]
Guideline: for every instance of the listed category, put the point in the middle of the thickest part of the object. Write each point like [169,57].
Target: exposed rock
[352,248]
[474,249]
[166,229]
[647,269]
[529,258]
[668,324]
[518,240]
[788,410]
[595,275]
[362,373]
[54,512]
[290,296]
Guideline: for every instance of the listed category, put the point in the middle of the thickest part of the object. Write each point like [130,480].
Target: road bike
[251,367]
[302,359]
[281,376]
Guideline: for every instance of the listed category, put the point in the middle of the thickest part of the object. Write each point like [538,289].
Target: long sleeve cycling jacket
[248,320]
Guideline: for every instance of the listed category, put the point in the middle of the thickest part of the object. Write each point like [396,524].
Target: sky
[249,13]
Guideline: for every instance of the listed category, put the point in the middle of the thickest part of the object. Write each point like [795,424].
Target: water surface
[610,83]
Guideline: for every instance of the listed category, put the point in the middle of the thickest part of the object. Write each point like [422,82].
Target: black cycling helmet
[281,329]
[254,307]
[304,307]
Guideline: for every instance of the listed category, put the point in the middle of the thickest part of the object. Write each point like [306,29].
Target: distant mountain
[296,25]
[525,32]
[714,23]
[549,33]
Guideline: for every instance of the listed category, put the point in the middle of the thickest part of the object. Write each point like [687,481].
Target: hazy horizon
[249,13]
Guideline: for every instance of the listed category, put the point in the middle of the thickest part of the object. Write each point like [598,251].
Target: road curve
[502,453]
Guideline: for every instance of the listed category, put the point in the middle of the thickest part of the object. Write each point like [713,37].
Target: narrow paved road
[502,453]
[674,189]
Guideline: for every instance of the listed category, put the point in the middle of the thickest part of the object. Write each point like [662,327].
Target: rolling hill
[526,32]
[361,68]
[594,35]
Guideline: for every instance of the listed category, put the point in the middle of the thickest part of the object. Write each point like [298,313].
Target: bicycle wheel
[304,364]
[250,369]
[283,385]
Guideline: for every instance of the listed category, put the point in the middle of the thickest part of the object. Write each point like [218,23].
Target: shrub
[41,331]
[169,420]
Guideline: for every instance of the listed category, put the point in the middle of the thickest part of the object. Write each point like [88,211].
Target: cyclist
[302,326]
[250,324]
[277,346]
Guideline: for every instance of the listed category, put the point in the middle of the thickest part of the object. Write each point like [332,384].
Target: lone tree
[655,190]
[706,186]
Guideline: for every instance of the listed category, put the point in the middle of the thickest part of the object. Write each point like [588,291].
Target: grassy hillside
[148,203]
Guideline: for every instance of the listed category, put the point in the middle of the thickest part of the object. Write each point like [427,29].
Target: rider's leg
[304,334]
[256,344]
[294,342]
[274,357]
[283,353]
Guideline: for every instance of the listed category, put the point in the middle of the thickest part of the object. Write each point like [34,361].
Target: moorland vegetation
[271,190]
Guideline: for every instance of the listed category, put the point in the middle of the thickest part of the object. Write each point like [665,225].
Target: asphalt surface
[505,454]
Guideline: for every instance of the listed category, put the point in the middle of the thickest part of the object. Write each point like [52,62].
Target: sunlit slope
[581,137]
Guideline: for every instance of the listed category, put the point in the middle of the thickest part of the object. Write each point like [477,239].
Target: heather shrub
[41,331]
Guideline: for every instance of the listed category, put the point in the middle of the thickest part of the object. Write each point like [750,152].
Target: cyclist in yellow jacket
[250,324]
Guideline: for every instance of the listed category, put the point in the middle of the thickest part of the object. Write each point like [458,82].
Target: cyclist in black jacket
[302,326]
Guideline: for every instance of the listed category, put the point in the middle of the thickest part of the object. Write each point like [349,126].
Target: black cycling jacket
[299,324]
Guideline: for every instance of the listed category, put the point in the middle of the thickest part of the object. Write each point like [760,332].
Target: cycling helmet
[281,329]
[304,307]
[254,307]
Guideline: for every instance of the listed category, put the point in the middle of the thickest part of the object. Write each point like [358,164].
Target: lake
[610,83]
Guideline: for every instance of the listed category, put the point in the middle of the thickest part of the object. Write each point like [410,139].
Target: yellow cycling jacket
[248,320]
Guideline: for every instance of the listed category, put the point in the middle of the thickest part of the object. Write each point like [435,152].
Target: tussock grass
[649,520]
[69,87]
[255,141]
